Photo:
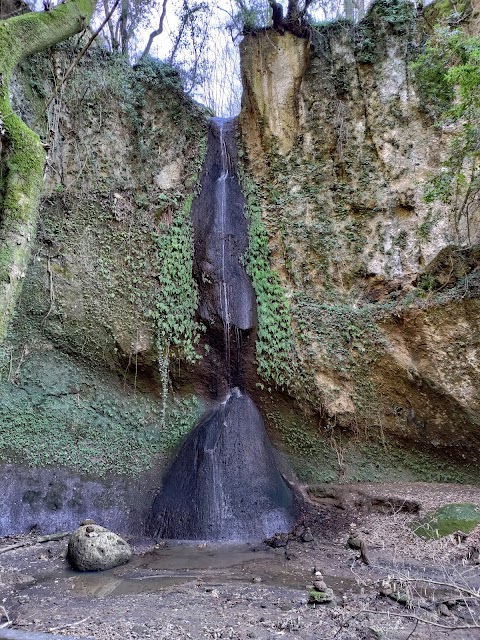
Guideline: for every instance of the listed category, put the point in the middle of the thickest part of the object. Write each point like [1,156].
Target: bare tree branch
[412,616]
[80,55]
[181,31]
[157,32]
[113,39]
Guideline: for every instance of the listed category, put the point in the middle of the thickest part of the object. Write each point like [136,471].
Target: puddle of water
[178,564]
[191,557]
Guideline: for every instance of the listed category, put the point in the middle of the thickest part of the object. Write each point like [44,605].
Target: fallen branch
[4,614]
[412,616]
[470,592]
[412,631]
[363,553]
[28,543]
[71,624]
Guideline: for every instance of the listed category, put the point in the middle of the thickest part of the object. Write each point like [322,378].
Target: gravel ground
[202,591]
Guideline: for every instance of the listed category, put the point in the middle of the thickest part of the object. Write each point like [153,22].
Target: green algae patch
[59,413]
[445,520]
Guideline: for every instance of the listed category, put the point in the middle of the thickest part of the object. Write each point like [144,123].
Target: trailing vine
[177,300]
[275,344]
[447,76]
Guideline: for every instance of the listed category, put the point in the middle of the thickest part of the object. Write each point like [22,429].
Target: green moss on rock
[448,519]
[58,412]
[21,36]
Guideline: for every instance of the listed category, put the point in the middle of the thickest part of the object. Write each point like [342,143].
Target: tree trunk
[348,9]
[124,27]
[24,155]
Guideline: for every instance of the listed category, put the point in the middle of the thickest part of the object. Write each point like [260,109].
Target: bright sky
[221,87]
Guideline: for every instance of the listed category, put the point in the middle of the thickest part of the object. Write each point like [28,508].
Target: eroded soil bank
[203,591]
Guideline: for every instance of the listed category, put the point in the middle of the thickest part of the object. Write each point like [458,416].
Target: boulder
[94,548]
[462,517]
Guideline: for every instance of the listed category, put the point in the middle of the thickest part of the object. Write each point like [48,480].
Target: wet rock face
[221,234]
[227,301]
[94,548]
[224,483]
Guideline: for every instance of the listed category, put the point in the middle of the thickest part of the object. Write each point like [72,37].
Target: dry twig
[4,614]
[80,55]
[28,543]
[71,624]
[412,616]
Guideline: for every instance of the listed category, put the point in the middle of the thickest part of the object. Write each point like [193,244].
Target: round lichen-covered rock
[445,520]
[94,548]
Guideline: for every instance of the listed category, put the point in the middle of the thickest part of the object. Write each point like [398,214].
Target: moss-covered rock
[448,519]
[110,281]
[23,162]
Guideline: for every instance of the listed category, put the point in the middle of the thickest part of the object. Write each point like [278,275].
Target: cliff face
[367,295]
[382,286]
[80,386]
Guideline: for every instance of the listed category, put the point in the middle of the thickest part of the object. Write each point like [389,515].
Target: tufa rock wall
[382,286]
[80,391]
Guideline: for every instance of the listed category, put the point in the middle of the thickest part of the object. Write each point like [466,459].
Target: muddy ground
[206,591]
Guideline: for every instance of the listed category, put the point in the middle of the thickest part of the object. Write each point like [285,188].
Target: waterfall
[222,212]
[224,483]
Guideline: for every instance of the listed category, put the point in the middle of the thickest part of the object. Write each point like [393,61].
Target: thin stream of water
[223,294]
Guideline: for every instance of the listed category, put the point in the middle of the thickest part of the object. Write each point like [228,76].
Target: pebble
[444,610]
[320,585]
[307,535]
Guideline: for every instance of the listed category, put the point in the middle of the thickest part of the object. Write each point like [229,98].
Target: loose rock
[307,535]
[94,548]
[320,597]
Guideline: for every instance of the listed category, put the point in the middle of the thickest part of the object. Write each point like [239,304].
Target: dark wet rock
[224,483]
[221,234]
[354,542]
[400,597]
[94,548]
[370,633]
[278,540]
[227,300]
